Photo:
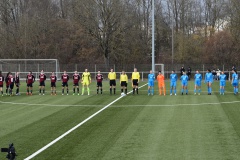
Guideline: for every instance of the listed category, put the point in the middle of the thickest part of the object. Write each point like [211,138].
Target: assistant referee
[112,81]
[135,80]
[123,81]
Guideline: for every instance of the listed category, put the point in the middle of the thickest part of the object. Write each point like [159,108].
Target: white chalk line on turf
[58,105]
[134,105]
[74,128]
[175,105]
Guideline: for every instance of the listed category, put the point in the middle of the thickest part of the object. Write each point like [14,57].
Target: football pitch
[135,127]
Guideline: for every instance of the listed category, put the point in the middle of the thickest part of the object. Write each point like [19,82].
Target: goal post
[34,65]
[159,67]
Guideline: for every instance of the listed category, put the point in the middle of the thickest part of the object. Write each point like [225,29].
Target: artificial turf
[135,127]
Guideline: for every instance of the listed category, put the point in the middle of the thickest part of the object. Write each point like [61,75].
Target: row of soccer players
[85,80]
[209,78]
[10,81]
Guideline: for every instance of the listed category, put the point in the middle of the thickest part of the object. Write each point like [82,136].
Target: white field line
[58,105]
[134,105]
[74,128]
[175,105]
[156,90]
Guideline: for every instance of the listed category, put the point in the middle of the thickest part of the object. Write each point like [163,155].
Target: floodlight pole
[172,39]
[153,39]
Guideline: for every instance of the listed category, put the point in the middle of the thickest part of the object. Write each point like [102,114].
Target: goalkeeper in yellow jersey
[135,80]
[123,82]
[86,80]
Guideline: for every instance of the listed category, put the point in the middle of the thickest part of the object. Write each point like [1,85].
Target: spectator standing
[182,70]
[189,71]
[218,74]
[214,73]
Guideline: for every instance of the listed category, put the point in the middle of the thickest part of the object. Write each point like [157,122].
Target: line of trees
[119,31]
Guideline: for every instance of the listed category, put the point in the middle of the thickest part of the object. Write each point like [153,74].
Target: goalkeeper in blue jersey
[209,81]
[184,79]
[151,78]
[235,81]
[173,82]
[222,81]
[198,80]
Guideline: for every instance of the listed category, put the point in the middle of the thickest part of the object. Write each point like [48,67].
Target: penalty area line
[74,128]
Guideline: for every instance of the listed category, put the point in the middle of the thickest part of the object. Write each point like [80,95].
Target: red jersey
[1,80]
[76,78]
[42,77]
[53,79]
[30,79]
[11,79]
[99,77]
[65,78]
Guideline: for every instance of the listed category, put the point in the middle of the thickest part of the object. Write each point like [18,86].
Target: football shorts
[42,83]
[135,82]
[64,84]
[99,84]
[151,83]
[235,84]
[173,84]
[85,83]
[75,84]
[29,85]
[198,83]
[223,83]
[112,82]
[162,84]
[53,84]
[123,84]
[184,83]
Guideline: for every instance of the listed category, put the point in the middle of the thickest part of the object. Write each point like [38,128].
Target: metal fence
[93,68]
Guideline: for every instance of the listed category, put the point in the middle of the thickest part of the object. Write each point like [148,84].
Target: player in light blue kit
[222,81]
[235,82]
[151,78]
[209,81]
[184,79]
[173,82]
[198,81]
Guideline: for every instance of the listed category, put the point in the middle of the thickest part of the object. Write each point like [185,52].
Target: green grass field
[141,127]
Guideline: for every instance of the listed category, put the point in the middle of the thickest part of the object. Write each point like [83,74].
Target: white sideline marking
[72,129]
[58,105]
[133,105]
[174,105]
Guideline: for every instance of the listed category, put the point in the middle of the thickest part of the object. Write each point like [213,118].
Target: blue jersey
[235,77]
[222,77]
[151,77]
[198,77]
[184,78]
[208,77]
[173,77]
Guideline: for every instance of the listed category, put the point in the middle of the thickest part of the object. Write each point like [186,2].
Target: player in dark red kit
[17,83]
[42,78]
[11,81]
[1,82]
[7,84]
[76,79]
[53,80]
[30,79]
[99,78]
[65,79]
